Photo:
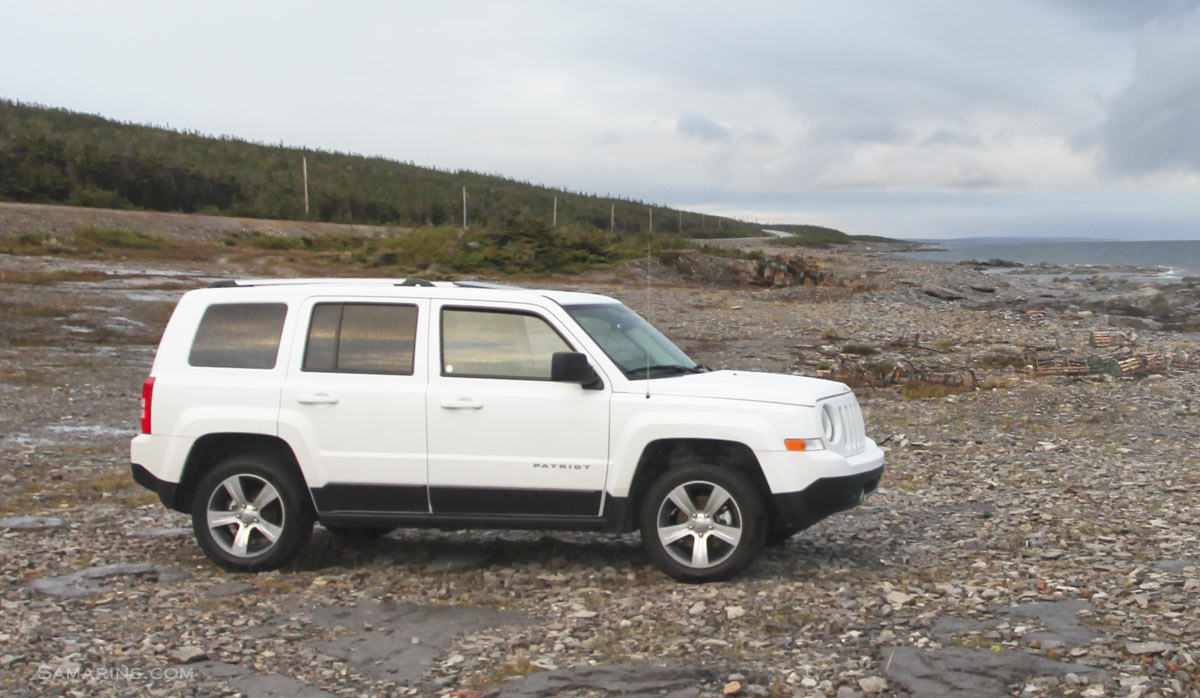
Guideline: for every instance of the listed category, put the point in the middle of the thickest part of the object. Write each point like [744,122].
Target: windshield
[638,349]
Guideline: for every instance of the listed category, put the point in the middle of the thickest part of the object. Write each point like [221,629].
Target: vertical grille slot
[849,428]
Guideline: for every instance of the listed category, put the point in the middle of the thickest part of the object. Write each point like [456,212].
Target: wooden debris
[1118,365]
[1105,339]
[899,372]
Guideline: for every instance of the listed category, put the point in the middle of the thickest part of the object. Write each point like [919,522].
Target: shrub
[88,195]
[119,238]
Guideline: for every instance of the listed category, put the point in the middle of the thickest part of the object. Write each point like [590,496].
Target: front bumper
[795,511]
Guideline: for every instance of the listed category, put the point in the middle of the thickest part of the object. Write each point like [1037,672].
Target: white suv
[370,404]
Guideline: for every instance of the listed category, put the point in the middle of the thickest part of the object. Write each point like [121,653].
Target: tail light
[147,398]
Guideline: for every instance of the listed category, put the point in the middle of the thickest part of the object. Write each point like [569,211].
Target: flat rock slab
[276,686]
[970,673]
[32,523]
[90,580]
[174,532]
[638,681]
[942,293]
[252,684]
[1059,617]
[232,587]
[403,640]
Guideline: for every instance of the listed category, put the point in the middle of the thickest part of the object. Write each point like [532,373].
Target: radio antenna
[648,258]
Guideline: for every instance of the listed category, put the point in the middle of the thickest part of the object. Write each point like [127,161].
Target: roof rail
[411,281]
[488,284]
[243,283]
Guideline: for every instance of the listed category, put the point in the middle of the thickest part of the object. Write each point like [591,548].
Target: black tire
[670,535]
[272,502]
[357,532]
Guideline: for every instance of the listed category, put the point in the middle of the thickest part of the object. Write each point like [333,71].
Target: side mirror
[573,367]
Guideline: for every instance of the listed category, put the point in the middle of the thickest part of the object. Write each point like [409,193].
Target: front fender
[755,425]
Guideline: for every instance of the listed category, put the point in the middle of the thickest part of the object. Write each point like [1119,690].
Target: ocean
[1174,259]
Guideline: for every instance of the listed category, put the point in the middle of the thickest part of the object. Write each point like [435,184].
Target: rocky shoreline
[1034,535]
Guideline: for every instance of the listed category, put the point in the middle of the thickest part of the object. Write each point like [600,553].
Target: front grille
[849,433]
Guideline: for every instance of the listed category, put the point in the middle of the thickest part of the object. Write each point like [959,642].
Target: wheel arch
[211,449]
[661,455]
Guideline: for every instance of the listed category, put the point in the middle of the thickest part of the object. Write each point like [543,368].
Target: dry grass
[924,390]
[859,349]
[520,665]
[35,311]
[41,491]
[41,278]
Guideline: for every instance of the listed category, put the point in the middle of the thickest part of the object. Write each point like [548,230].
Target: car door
[354,402]
[505,440]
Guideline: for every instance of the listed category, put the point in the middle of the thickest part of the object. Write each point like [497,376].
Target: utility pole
[612,218]
[304,169]
[554,219]
[464,207]
[651,221]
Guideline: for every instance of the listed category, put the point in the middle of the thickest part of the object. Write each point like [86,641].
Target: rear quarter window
[239,335]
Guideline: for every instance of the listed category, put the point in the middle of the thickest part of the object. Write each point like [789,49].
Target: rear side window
[239,335]
[361,338]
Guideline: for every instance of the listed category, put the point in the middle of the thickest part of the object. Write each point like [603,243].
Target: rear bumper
[165,490]
[795,511]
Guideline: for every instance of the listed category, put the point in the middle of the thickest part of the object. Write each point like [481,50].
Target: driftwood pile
[884,374]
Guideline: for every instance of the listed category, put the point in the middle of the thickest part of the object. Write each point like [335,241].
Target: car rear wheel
[702,523]
[250,513]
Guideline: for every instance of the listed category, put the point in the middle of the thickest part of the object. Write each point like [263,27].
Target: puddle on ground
[68,434]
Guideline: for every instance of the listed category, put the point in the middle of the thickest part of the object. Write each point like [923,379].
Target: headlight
[827,424]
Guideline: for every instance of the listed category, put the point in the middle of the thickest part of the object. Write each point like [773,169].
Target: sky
[923,118]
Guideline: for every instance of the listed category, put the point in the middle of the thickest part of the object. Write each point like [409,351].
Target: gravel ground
[1036,536]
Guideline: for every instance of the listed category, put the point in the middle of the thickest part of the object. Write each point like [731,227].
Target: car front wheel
[702,523]
[250,513]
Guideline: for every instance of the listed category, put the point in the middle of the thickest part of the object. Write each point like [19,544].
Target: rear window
[361,338]
[239,335]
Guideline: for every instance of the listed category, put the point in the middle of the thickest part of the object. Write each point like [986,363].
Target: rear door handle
[462,403]
[317,399]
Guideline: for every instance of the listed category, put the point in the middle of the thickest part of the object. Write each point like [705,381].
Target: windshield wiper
[661,368]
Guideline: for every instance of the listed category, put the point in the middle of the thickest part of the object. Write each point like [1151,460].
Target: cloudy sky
[923,118]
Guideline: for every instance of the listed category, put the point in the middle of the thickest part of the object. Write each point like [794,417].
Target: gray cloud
[1152,124]
[702,128]
[1122,14]
[886,132]
[953,137]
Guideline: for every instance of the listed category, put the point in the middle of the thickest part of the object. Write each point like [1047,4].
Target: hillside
[54,156]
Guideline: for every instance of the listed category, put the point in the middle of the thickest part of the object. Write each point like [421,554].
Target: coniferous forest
[57,156]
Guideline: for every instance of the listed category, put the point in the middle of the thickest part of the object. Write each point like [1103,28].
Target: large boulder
[1144,302]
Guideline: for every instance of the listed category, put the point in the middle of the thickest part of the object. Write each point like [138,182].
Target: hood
[744,385]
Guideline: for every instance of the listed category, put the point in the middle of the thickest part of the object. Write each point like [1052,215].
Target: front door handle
[317,399]
[462,403]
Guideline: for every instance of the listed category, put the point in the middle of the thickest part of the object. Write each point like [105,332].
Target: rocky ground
[1033,535]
